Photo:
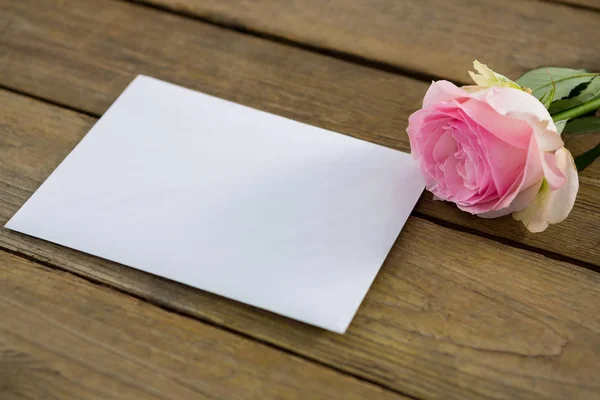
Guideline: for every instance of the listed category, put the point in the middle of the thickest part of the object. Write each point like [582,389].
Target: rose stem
[578,111]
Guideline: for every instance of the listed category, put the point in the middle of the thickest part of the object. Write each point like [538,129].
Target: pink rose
[493,151]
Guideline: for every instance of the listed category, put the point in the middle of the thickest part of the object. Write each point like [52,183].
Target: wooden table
[463,308]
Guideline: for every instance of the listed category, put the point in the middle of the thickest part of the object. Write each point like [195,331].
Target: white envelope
[242,203]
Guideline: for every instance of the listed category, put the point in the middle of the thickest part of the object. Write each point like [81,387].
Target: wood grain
[86,55]
[436,37]
[62,337]
[593,4]
[450,316]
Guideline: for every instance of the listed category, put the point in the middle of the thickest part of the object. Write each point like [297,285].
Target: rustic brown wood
[46,54]
[593,4]
[437,37]
[64,337]
[451,315]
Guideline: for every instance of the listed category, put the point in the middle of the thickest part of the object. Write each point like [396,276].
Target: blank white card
[242,203]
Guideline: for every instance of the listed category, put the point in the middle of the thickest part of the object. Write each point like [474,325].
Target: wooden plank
[593,4]
[44,53]
[436,37]
[450,315]
[64,337]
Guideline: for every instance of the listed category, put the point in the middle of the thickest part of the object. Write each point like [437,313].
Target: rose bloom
[493,151]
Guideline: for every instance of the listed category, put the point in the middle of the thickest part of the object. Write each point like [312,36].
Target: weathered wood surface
[85,55]
[592,4]
[435,37]
[450,316]
[62,337]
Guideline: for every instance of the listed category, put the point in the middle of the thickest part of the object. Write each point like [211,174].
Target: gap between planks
[580,4]
[166,307]
[324,51]
[239,27]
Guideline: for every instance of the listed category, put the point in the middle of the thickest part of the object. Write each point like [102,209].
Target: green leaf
[566,79]
[537,78]
[548,97]
[563,87]
[560,125]
[583,125]
[587,158]
[578,89]
[589,93]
